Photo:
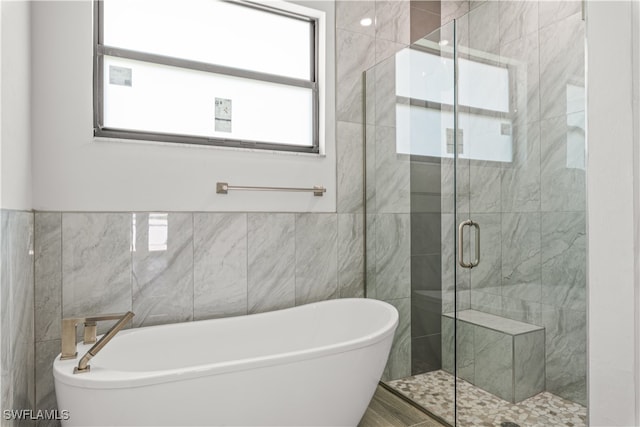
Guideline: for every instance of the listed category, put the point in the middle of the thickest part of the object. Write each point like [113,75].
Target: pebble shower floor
[476,407]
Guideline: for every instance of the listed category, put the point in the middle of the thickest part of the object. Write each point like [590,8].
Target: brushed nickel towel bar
[223,188]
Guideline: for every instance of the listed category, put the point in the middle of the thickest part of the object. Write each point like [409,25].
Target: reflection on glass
[424,106]
[575,127]
[134,232]
[158,232]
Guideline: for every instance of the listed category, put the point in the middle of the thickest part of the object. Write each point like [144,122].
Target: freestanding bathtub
[312,365]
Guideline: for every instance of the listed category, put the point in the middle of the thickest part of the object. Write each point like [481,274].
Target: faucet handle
[69,331]
[83,365]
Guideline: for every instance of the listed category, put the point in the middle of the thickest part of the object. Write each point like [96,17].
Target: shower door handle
[461,261]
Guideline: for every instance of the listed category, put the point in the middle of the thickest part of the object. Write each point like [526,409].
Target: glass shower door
[475,215]
[408,147]
[520,232]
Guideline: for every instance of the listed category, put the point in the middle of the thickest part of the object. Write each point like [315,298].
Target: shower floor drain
[509,424]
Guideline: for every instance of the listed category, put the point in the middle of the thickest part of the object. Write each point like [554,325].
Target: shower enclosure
[475,215]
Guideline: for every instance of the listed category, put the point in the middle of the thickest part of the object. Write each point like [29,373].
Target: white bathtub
[313,365]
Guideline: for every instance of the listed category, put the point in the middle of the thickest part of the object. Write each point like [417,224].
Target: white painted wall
[612,219]
[74,172]
[15,133]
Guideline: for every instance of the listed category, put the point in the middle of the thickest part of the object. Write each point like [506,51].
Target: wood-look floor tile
[388,410]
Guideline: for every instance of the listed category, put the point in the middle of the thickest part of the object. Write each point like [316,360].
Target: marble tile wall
[388,224]
[531,210]
[17,323]
[177,267]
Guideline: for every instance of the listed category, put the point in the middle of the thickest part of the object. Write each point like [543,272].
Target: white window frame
[100,50]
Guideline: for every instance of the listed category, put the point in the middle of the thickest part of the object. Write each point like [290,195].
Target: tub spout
[83,365]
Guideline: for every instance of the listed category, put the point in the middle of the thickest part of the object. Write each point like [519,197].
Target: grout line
[246,261]
[193,266]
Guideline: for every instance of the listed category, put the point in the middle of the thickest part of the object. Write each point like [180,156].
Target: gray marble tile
[6,381]
[370,169]
[399,363]
[89,284]
[18,280]
[162,264]
[452,273]
[349,15]
[350,255]
[46,351]
[460,188]
[475,3]
[48,275]
[517,19]
[521,256]
[316,257]
[370,96]
[496,323]
[425,186]
[270,251]
[393,256]
[564,259]
[393,20]
[463,300]
[522,57]
[385,93]
[220,265]
[562,172]
[562,69]
[371,256]
[528,368]
[448,185]
[485,187]
[425,233]
[484,29]
[493,362]
[566,352]
[553,11]
[452,9]
[350,167]
[486,302]
[522,311]
[426,354]
[466,342]
[448,354]
[426,314]
[385,49]
[355,54]
[521,178]
[487,277]
[426,272]
[392,174]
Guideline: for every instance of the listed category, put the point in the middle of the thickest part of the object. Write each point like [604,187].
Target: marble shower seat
[502,356]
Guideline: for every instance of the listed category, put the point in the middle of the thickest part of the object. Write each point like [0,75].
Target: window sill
[102,139]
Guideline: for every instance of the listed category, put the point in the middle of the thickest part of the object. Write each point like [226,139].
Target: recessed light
[365,22]
[443,42]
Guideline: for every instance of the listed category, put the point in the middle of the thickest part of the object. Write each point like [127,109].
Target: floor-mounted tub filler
[312,365]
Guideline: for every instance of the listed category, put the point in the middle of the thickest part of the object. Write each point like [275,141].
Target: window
[229,73]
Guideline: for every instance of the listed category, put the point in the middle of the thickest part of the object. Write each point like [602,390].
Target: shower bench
[502,356]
